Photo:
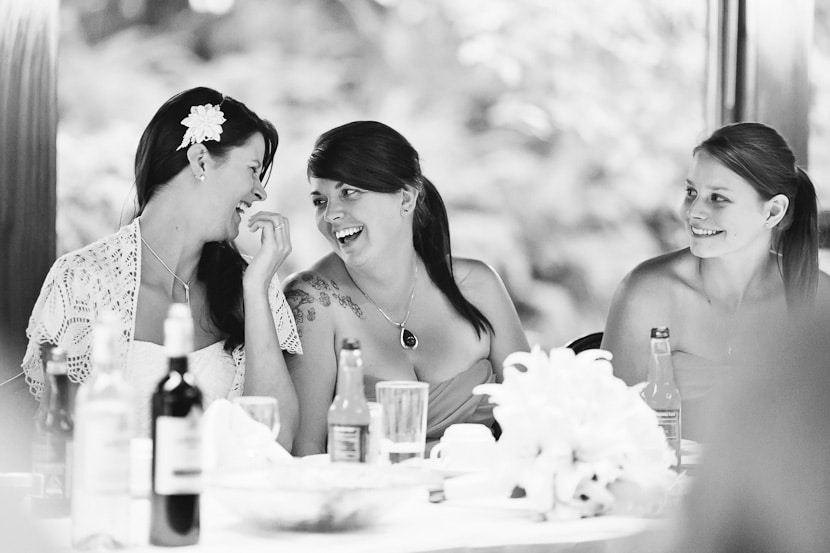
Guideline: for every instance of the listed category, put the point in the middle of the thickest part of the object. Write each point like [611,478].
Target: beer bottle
[660,391]
[348,417]
[52,443]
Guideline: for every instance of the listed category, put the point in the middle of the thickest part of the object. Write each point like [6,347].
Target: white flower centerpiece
[576,439]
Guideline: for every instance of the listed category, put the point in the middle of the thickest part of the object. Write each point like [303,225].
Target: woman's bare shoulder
[326,273]
[470,270]
[659,278]
[669,269]
[313,292]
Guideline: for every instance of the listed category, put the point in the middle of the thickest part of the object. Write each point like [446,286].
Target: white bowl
[316,497]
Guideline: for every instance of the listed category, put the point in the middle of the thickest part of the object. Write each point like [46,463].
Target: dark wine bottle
[177,447]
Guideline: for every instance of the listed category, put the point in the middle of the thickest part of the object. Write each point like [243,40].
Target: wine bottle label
[178,455]
[102,450]
[347,443]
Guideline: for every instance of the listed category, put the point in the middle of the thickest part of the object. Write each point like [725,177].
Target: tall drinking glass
[404,404]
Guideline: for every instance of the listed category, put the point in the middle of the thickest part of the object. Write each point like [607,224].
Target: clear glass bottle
[177,435]
[661,392]
[52,443]
[348,417]
[103,429]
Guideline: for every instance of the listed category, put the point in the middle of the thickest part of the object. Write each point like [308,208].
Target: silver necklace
[728,346]
[169,270]
[408,340]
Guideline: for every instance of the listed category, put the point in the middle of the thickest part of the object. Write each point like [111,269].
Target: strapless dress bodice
[452,401]
[214,370]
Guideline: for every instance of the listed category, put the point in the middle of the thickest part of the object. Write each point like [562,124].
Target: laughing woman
[751,216]
[391,282]
[200,162]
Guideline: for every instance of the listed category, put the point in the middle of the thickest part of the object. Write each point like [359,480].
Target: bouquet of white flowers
[576,438]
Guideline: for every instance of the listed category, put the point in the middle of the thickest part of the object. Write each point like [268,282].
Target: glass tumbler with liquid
[404,404]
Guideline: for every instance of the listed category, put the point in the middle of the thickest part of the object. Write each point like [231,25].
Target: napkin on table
[232,439]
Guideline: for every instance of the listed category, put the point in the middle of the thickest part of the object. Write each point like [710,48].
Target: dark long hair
[761,156]
[373,156]
[157,161]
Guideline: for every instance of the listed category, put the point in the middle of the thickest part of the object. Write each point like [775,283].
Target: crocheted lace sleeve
[283,318]
[78,286]
[62,316]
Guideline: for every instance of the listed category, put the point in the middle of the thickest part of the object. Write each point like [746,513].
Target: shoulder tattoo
[303,302]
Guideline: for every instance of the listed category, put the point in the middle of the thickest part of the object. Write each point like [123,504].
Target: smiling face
[723,212]
[358,224]
[233,185]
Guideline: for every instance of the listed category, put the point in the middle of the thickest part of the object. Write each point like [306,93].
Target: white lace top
[105,276]
[217,376]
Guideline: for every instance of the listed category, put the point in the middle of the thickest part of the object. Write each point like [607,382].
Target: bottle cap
[56,362]
[351,344]
[660,332]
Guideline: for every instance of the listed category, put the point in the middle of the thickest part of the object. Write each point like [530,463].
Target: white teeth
[242,206]
[342,233]
[703,232]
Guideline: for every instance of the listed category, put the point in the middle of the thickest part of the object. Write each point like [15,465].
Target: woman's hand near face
[275,246]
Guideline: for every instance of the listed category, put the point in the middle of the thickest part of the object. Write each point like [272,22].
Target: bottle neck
[178,364]
[660,368]
[350,375]
[59,398]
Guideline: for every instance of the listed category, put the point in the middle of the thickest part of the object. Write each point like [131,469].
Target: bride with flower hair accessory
[203,123]
[201,163]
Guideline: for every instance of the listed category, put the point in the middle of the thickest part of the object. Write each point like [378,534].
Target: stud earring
[201,177]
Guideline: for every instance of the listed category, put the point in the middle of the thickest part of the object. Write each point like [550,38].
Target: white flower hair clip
[204,123]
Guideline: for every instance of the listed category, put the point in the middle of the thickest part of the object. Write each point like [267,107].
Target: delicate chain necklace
[728,345]
[169,270]
[408,339]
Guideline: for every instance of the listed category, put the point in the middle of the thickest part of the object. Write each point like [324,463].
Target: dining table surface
[477,524]
[460,518]
[419,526]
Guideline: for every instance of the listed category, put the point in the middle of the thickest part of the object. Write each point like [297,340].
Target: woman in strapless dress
[392,283]
[751,267]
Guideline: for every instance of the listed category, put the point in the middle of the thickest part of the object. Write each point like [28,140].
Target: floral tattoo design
[327,293]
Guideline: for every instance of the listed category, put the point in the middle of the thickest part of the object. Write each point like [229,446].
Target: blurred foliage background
[558,131]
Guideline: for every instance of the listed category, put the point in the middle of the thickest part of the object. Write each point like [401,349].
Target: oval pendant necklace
[407,338]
